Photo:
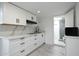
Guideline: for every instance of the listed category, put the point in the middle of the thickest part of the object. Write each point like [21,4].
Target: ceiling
[46,8]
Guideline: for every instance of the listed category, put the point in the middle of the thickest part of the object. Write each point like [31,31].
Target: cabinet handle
[22,38]
[35,39]
[17,20]
[35,35]
[42,35]
[35,44]
[22,43]
[22,51]
[32,18]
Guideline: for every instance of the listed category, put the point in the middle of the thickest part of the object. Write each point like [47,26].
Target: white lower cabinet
[20,46]
[72,46]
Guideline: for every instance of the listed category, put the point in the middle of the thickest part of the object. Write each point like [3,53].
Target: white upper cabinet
[77,15]
[31,17]
[69,19]
[12,14]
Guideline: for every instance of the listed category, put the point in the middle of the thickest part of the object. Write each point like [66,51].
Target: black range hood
[30,22]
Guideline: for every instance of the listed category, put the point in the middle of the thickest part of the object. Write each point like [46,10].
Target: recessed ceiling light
[38,12]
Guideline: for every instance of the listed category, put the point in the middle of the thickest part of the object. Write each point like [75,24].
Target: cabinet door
[33,18]
[72,48]
[21,15]
[14,15]
[10,13]
[69,19]
[23,18]
[41,37]
[77,15]
[1,13]
[28,17]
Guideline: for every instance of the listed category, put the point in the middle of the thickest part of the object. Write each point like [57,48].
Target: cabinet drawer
[29,41]
[19,53]
[38,43]
[30,48]
[16,42]
[14,50]
[17,47]
[33,46]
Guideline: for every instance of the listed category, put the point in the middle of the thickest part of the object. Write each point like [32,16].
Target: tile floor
[49,50]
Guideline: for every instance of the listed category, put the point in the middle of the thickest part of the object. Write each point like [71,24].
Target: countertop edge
[18,36]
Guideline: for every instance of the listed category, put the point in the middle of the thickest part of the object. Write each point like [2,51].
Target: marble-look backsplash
[7,30]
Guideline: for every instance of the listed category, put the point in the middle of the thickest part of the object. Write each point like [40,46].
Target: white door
[59,27]
[56,31]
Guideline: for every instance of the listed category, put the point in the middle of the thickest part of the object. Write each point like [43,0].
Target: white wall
[46,24]
[7,30]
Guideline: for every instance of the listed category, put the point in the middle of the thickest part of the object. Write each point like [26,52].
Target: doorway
[59,30]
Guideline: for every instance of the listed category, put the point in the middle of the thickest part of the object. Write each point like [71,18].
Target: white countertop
[14,36]
[18,36]
[77,37]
